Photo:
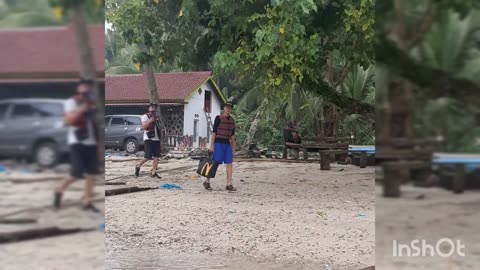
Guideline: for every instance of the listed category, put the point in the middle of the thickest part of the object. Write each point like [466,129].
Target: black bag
[81,134]
[207,167]
[151,134]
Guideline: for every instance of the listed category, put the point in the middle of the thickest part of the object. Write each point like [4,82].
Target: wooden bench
[461,163]
[325,146]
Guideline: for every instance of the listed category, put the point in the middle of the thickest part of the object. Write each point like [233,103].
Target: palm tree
[359,85]
[451,45]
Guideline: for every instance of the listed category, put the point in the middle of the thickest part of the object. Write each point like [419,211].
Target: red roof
[172,87]
[47,50]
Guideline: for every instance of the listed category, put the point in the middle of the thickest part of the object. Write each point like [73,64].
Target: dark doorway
[208,101]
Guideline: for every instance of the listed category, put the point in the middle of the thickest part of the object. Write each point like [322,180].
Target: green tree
[286,43]
[76,10]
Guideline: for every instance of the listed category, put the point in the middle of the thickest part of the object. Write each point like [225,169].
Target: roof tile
[47,50]
[172,87]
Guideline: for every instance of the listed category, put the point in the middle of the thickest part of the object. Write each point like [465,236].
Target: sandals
[90,207]
[207,186]
[57,200]
[137,171]
[230,188]
[155,175]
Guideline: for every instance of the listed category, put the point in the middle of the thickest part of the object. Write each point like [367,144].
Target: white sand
[75,251]
[282,212]
[441,214]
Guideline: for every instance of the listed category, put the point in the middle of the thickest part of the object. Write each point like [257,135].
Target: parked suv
[34,129]
[124,131]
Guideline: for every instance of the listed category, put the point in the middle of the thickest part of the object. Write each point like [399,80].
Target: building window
[195,130]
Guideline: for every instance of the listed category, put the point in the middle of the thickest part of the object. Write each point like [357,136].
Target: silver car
[33,128]
[124,131]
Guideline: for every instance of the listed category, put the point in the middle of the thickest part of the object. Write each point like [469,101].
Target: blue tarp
[451,160]
[170,186]
[471,163]
[369,149]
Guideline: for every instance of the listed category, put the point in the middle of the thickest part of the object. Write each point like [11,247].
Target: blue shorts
[222,153]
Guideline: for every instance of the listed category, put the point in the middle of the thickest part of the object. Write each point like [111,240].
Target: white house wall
[195,106]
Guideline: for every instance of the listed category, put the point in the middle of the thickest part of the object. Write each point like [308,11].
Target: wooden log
[30,234]
[29,180]
[327,139]
[324,161]
[115,183]
[369,268]
[18,221]
[459,179]
[363,160]
[275,160]
[392,180]
[34,209]
[117,191]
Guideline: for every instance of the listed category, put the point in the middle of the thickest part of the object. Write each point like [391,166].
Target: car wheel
[131,146]
[46,154]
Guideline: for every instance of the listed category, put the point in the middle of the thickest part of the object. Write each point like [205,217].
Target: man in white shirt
[79,115]
[151,138]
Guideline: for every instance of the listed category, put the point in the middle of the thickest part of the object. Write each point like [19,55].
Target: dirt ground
[428,214]
[29,195]
[283,216]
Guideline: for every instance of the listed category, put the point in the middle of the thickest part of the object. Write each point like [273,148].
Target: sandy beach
[428,214]
[29,196]
[283,216]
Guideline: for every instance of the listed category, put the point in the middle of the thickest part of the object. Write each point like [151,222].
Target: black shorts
[152,149]
[83,159]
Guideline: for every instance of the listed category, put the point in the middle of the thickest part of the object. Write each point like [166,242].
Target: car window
[24,111]
[3,111]
[49,109]
[133,121]
[117,121]
[107,119]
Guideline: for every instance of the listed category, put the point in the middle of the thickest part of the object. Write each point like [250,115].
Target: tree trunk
[255,123]
[330,120]
[152,85]
[153,96]
[88,69]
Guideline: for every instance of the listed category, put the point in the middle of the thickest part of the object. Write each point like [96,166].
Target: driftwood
[162,171]
[273,160]
[18,221]
[123,159]
[17,236]
[117,191]
[35,179]
[64,205]
[115,183]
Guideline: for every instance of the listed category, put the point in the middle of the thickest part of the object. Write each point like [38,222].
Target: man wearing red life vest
[223,144]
